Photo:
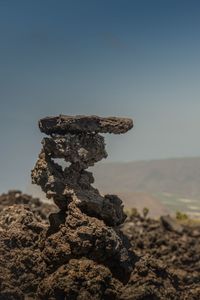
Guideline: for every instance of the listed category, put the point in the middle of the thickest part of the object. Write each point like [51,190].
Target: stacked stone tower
[78,142]
[86,225]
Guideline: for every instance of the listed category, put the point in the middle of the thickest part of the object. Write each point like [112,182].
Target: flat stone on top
[71,124]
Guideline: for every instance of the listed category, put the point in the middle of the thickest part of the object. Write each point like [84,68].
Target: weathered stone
[63,124]
[82,149]
[79,260]
[75,139]
[21,264]
[38,207]
[95,282]
[31,253]
[82,227]
[74,185]
[78,235]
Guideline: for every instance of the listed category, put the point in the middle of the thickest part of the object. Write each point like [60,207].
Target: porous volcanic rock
[77,235]
[86,227]
[73,262]
[80,148]
[77,141]
[78,260]
[80,279]
[63,124]
[34,204]
[168,265]
[21,264]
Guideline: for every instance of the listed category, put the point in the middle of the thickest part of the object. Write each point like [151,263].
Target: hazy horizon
[139,59]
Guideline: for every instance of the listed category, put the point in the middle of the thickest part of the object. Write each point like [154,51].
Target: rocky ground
[75,257]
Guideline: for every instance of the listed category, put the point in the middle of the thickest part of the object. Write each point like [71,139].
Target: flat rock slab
[63,124]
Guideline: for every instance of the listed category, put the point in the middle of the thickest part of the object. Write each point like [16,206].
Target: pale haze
[139,59]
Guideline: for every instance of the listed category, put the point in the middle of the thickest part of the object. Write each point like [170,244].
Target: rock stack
[84,232]
[77,141]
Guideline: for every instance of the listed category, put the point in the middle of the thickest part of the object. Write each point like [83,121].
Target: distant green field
[175,203]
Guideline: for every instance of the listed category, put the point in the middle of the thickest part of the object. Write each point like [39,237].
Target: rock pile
[38,207]
[86,224]
[168,265]
[77,141]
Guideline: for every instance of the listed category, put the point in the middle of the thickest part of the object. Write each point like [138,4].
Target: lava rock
[63,124]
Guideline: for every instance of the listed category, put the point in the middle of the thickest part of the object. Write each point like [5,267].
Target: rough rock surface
[36,264]
[74,185]
[80,279]
[168,265]
[77,142]
[21,264]
[38,207]
[86,225]
[89,124]
[31,255]
[79,235]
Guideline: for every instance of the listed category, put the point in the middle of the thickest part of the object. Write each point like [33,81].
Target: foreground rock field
[38,264]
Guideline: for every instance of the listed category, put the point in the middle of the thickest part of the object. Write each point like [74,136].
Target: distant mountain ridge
[178,176]
[162,185]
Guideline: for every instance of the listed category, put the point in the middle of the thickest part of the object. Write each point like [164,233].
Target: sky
[131,58]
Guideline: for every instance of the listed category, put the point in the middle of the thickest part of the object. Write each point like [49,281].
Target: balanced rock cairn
[86,225]
[78,142]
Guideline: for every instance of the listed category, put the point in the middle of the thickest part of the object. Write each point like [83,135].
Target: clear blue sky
[136,58]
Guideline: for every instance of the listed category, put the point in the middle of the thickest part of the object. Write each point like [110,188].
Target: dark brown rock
[82,236]
[75,185]
[82,227]
[79,259]
[38,207]
[82,149]
[63,124]
[31,254]
[80,279]
[150,279]
[168,265]
[21,264]
[76,140]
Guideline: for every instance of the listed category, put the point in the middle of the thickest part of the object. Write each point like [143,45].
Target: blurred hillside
[179,176]
[163,186]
